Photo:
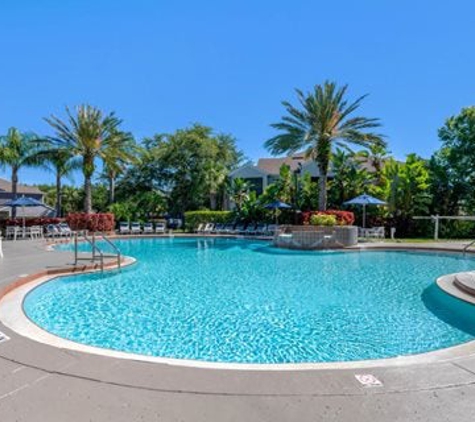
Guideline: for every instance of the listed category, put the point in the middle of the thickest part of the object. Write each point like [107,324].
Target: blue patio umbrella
[23,202]
[277,205]
[364,200]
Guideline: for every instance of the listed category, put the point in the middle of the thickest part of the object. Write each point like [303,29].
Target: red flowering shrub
[343,218]
[38,221]
[92,222]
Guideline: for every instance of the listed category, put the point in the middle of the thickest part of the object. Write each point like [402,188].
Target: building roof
[273,165]
[6,186]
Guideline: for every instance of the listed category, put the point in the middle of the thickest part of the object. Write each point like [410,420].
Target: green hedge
[194,218]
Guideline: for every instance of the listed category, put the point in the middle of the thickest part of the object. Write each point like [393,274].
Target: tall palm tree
[17,150]
[86,134]
[321,121]
[120,149]
[59,160]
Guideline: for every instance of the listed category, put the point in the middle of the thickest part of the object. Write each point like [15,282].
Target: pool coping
[13,317]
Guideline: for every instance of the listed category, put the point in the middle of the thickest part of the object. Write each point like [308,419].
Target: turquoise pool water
[233,300]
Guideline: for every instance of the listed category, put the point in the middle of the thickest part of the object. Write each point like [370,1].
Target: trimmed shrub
[92,222]
[194,218]
[322,220]
[343,218]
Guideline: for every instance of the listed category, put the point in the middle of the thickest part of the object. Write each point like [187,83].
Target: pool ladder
[466,247]
[97,253]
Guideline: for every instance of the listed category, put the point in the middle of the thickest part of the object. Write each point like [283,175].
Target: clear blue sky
[163,65]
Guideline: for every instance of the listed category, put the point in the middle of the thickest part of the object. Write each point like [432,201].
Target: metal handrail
[95,249]
[116,249]
[466,247]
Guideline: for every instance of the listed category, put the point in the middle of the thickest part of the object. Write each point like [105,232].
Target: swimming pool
[241,301]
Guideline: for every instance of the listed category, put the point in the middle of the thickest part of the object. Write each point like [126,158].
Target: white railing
[436,219]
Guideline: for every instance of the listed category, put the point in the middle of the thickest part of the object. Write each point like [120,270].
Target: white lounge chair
[64,229]
[148,228]
[135,228]
[208,228]
[272,229]
[160,228]
[200,228]
[124,227]
[52,231]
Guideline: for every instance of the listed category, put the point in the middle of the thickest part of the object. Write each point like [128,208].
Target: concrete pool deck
[43,383]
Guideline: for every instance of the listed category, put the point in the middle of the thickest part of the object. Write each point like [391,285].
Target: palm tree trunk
[88,171]
[14,188]
[322,189]
[58,194]
[111,188]
[212,201]
[87,195]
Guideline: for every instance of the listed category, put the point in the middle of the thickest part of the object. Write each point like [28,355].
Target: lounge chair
[148,228]
[135,228]
[200,228]
[64,229]
[225,228]
[52,230]
[124,228]
[218,228]
[261,229]
[239,229]
[160,228]
[208,228]
[251,229]
[271,229]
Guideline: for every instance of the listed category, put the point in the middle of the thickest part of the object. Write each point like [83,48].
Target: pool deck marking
[368,380]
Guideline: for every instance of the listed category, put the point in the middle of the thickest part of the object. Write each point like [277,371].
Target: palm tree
[239,192]
[120,149]
[17,150]
[322,121]
[86,134]
[59,160]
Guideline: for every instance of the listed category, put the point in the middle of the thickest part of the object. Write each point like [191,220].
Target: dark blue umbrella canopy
[365,200]
[277,205]
[24,201]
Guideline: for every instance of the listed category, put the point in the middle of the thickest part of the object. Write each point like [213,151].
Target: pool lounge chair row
[137,228]
[238,229]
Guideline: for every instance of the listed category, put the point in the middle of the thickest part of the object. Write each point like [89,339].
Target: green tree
[321,121]
[17,150]
[189,167]
[120,150]
[240,191]
[58,160]
[406,186]
[308,193]
[85,133]
[453,166]
[350,178]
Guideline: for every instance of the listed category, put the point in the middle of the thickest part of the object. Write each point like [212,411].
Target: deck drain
[3,337]
[368,380]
